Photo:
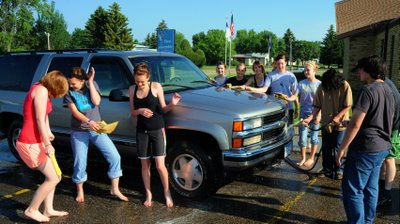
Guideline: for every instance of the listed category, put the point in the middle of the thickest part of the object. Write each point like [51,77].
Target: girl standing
[83,100]
[147,103]
[307,89]
[34,143]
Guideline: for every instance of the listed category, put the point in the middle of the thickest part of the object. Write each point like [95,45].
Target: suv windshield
[174,73]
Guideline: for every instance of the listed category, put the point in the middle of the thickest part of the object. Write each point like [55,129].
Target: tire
[201,179]
[12,136]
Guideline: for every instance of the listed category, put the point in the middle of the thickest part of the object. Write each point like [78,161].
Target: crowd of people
[370,137]
[360,150]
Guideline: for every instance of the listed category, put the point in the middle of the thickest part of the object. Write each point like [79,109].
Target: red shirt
[30,131]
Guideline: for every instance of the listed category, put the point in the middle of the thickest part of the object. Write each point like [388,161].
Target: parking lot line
[23,191]
[286,207]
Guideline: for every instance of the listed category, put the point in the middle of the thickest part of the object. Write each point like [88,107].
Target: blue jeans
[330,146]
[80,145]
[360,185]
[304,132]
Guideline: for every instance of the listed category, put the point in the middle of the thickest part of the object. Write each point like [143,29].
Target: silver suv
[209,133]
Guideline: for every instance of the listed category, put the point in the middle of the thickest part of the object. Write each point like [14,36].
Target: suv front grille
[273,118]
[272,133]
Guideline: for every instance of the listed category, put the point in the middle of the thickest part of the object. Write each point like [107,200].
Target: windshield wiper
[204,81]
[177,85]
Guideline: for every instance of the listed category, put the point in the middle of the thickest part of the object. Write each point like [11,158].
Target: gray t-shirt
[377,101]
[285,83]
[396,124]
[83,103]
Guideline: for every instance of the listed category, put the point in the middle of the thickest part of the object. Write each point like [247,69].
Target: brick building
[369,27]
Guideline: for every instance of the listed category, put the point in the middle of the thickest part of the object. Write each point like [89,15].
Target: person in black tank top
[147,103]
[258,79]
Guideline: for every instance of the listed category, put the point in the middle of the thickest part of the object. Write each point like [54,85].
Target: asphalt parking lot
[280,194]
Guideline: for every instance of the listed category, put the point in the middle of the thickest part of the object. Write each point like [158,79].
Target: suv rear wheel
[192,171]
[12,136]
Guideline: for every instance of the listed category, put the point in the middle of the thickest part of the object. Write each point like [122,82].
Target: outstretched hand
[91,74]
[175,99]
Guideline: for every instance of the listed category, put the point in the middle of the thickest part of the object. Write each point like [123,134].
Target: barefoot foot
[55,213]
[309,162]
[168,199]
[148,202]
[36,215]
[80,197]
[119,195]
[301,162]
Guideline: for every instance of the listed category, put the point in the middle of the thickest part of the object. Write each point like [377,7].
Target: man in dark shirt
[239,79]
[388,170]
[368,141]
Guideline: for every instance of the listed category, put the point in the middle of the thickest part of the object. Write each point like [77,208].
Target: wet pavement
[280,194]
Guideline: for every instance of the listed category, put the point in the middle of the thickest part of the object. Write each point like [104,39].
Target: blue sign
[166,41]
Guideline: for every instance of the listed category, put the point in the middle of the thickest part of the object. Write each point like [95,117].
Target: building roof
[358,15]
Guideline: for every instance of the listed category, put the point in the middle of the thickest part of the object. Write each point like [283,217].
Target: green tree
[247,42]
[79,39]
[331,49]
[95,27]
[51,21]
[151,38]
[306,50]
[212,44]
[11,14]
[24,38]
[117,34]
[179,37]
[287,38]
[197,57]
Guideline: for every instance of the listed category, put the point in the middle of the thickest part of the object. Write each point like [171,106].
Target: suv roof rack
[88,50]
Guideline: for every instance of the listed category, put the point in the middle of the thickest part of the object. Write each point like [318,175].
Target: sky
[307,19]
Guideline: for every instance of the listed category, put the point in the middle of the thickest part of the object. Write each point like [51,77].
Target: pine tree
[331,49]
[151,39]
[117,34]
[96,29]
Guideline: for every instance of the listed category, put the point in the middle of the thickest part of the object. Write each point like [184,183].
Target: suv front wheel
[192,171]
[12,136]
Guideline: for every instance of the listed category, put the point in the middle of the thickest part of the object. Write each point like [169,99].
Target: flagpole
[230,56]
[225,50]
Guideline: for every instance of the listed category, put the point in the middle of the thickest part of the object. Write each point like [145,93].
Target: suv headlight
[252,140]
[243,142]
[247,125]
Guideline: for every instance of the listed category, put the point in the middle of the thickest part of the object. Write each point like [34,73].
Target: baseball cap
[362,63]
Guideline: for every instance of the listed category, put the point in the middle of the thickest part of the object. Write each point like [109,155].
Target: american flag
[227,31]
[232,27]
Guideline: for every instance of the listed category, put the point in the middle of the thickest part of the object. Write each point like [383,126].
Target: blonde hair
[312,64]
[56,83]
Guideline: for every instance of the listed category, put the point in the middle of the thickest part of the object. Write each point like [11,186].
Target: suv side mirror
[119,95]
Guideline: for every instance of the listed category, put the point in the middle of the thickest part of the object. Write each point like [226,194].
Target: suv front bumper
[240,160]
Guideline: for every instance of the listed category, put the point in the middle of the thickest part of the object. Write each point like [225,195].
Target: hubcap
[187,172]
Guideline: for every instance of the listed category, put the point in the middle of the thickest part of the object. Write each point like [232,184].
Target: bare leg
[162,170]
[48,207]
[390,172]
[115,190]
[146,181]
[80,196]
[310,161]
[303,156]
[45,189]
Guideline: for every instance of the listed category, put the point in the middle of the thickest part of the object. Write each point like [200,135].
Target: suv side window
[111,73]
[65,64]
[16,77]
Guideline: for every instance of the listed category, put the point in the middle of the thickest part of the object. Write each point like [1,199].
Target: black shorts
[150,143]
